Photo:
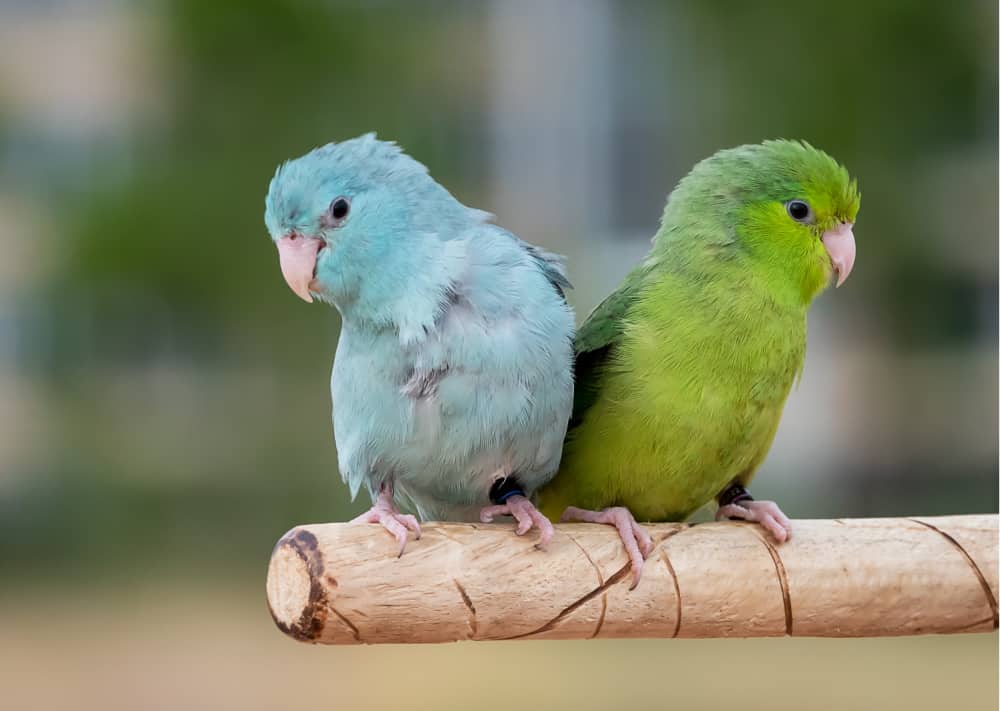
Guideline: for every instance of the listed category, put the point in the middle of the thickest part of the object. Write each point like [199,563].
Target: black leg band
[734,494]
[505,488]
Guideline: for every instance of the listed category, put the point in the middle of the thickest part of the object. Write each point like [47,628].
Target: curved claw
[766,513]
[638,543]
[526,515]
[383,512]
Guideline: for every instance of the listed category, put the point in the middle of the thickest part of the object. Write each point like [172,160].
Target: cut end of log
[295,592]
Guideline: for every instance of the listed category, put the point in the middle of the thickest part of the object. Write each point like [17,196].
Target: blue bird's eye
[337,212]
[799,211]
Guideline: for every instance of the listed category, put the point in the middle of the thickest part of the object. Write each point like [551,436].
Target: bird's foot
[766,513]
[526,515]
[638,543]
[384,512]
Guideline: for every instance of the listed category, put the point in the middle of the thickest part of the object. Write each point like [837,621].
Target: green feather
[683,371]
[595,340]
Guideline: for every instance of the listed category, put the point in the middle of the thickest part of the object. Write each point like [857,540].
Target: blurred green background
[165,410]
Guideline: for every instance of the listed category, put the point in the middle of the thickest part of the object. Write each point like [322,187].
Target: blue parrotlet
[453,377]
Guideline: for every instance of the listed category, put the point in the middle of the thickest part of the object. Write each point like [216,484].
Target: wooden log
[339,583]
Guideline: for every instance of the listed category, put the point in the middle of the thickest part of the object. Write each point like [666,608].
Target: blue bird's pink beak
[839,243]
[297,255]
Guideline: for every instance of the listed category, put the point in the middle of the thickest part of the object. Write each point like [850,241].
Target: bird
[452,379]
[683,371]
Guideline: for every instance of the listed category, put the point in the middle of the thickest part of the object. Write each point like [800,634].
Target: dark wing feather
[552,265]
[597,340]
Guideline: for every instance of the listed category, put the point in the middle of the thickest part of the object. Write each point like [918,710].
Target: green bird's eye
[337,212]
[799,211]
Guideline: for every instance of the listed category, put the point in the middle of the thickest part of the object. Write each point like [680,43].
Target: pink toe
[645,542]
[734,511]
[636,573]
[411,523]
[367,517]
[571,513]
[546,531]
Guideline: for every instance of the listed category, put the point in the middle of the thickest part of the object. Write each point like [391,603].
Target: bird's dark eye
[799,210]
[340,208]
[337,212]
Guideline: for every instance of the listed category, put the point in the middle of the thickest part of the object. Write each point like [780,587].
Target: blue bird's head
[346,215]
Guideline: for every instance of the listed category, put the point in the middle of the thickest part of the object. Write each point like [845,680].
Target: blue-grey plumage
[454,365]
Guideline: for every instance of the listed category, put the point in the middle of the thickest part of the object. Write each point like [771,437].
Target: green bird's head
[782,207]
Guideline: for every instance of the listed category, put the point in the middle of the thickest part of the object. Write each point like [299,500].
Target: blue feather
[454,365]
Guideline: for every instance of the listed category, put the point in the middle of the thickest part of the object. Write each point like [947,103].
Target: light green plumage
[683,371]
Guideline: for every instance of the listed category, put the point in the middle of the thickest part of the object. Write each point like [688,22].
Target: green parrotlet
[683,371]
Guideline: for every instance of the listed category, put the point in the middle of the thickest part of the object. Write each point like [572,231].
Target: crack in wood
[604,612]
[987,590]
[600,581]
[660,545]
[440,530]
[600,576]
[779,567]
[350,625]
[973,625]
[473,624]
[603,587]
[670,534]
[677,591]
[617,577]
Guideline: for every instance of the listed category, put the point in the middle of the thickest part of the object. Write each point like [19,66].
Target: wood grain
[340,583]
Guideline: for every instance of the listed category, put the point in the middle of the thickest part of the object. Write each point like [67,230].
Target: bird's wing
[597,340]
[553,266]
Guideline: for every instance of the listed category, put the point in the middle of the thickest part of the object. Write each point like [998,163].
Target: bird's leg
[638,543]
[509,499]
[735,502]
[384,512]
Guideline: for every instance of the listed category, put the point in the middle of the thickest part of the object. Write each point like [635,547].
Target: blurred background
[164,402]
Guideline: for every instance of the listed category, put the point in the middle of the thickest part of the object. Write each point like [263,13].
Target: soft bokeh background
[164,411]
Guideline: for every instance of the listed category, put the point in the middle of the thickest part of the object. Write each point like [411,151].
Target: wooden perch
[343,584]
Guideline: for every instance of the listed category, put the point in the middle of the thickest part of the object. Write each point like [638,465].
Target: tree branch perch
[343,584]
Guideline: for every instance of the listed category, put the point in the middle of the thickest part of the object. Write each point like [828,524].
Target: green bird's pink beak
[297,255]
[839,243]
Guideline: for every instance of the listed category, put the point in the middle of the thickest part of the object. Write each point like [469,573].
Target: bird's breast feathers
[477,394]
